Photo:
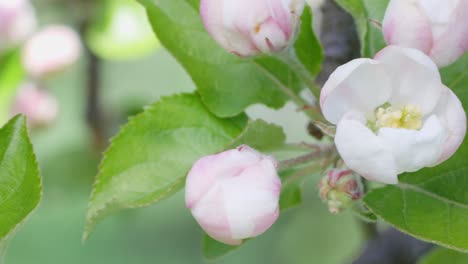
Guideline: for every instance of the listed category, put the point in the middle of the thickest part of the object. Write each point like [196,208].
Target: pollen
[257,28]
[407,117]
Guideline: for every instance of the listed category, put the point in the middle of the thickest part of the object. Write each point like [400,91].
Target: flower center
[407,117]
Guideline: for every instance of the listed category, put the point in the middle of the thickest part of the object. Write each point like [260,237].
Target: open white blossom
[393,114]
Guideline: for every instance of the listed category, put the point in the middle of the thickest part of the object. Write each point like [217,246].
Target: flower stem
[312,112]
[290,58]
[319,151]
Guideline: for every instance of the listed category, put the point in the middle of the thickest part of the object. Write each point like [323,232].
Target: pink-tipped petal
[452,41]
[406,25]
[234,195]
[450,111]
[248,28]
[205,171]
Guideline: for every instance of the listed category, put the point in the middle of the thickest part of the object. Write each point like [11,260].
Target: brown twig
[94,113]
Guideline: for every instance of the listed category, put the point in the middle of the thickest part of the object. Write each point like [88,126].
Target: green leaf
[150,157]
[432,204]
[261,136]
[364,12]
[361,211]
[455,77]
[307,46]
[121,31]
[227,84]
[213,249]
[444,256]
[291,195]
[20,183]
[11,74]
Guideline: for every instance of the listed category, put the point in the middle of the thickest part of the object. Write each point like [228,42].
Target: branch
[94,113]
[392,247]
[339,39]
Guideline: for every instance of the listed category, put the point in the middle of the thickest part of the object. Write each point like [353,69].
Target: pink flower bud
[17,22]
[248,28]
[40,107]
[438,28]
[51,50]
[339,188]
[234,195]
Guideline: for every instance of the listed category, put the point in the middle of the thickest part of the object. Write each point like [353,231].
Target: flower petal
[451,113]
[252,196]
[218,20]
[413,149]
[360,85]
[453,41]
[210,214]
[406,25]
[416,79]
[206,170]
[363,151]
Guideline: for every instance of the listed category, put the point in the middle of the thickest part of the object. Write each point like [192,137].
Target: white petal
[451,113]
[363,151]
[439,12]
[406,25]
[413,149]
[251,196]
[360,85]
[218,19]
[207,171]
[210,213]
[416,79]
[452,42]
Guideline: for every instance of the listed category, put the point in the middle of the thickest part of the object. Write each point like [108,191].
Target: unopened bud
[234,195]
[339,188]
[248,28]
[40,107]
[17,22]
[51,50]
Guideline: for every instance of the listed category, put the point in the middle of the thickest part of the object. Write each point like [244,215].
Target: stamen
[407,117]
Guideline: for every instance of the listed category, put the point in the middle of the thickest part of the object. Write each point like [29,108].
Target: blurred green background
[166,232]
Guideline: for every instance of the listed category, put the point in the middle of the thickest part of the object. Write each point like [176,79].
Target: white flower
[248,28]
[38,105]
[439,28]
[234,195]
[51,50]
[393,114]
[17,22]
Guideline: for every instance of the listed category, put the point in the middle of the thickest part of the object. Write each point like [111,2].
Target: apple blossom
[40,107]
[234,195]
[393,114]
[51,50]
[439,28]
[17,22]
[339,188]
[248,28]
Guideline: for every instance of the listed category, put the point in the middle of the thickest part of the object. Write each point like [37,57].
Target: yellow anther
[407,117]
